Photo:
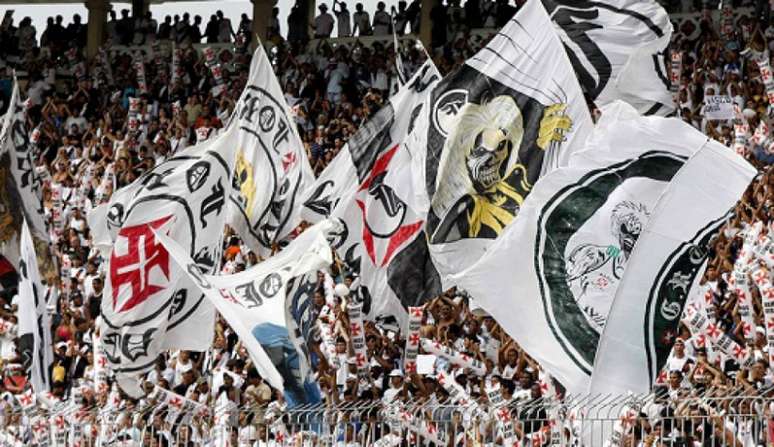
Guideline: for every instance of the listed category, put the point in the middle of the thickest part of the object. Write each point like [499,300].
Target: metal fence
[741,419]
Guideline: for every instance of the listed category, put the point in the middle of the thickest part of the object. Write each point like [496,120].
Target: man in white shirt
[396,385]
[342,19]
[323,23]
[382,20]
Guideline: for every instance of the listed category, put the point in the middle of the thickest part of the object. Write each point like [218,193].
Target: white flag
[368,189]
[272,169]
[14,140]
[664,268]
[34,324]
[618,50]
[149,304]
[558,266]
[255,297]
[512,112]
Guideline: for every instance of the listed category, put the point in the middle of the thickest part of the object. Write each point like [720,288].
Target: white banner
[718,107]
[513,112]
[568,249]
[272,168]
[368,188]
[149,304]
[664,267]
[617,49]
[34,330]
[412,340]
[256,296]
[14,139]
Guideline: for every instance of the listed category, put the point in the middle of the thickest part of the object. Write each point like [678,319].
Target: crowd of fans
[78,108]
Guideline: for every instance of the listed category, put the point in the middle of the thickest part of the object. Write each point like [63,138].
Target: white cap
[396,373]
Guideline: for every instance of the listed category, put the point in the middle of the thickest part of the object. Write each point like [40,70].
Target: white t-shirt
[345,27]
[381,23]
[323,25]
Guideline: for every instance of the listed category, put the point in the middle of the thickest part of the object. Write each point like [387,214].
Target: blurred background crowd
[78,108]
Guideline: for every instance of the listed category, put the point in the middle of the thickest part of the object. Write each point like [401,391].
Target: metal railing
[740,419]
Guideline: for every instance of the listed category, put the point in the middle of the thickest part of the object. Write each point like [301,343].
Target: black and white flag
[513,112]
[272,168]
[34,324]
[25,181]
[618,49]
[255,298]
[664,270]
[368,190]
[150,305]
[566,253]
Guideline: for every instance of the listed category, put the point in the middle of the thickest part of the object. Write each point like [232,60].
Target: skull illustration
[628,220]
[486,161]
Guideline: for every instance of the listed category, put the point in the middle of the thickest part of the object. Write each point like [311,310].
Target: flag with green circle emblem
[558,266]
[665,268]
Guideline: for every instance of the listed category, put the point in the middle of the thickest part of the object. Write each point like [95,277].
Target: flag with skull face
[511,113]
[568,250]
[665,268]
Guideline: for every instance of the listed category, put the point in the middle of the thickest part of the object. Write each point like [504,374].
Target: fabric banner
[34,324]
[762,279]
[368,188]
[150,305]
[256,297]
[568,250]
[154,305]
[26,181]
[454,357]
[718,107]
[613,42]
[664,268]
[412,339]
[358,339]
[512,112]
[272,169]
[300,317]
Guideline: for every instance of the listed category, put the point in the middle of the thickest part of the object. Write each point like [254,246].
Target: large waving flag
[664,269]
[34,324]
[151,305]
[368,189]
[558,266]
[618,49]
[253,301]
[14,140]
[21,187]
[272,169]
[512,112]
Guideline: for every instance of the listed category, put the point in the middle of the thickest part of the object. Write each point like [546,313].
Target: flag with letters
[558,266]
[665,268]
[253,301]
[149,305]
[368,191]
[272,169]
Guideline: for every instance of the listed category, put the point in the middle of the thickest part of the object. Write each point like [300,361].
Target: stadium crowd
[78,109]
